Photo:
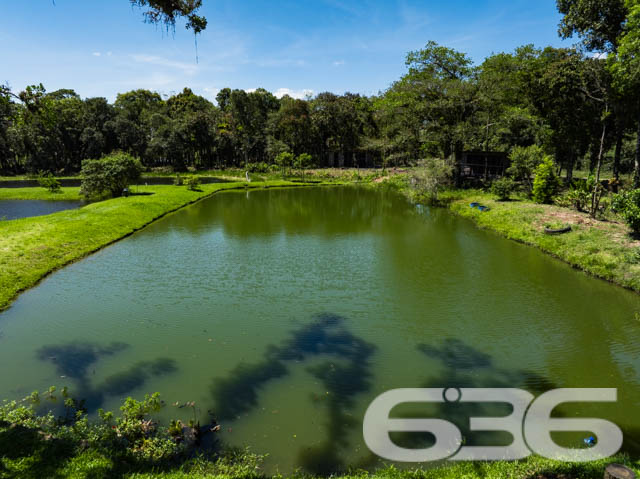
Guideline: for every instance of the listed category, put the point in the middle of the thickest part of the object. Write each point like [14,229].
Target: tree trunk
[595,194]
[593,158]
[618,153]
[570,165]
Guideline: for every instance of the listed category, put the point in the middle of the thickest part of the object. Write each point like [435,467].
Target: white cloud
[298,94]
[186,68]
[96,54]
[338,63]
[600,55]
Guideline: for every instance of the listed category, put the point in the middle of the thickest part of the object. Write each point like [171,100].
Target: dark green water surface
[284,313]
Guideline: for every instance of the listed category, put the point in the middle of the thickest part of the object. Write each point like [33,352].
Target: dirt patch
[617,231]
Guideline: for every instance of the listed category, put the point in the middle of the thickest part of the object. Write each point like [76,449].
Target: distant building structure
[484,165]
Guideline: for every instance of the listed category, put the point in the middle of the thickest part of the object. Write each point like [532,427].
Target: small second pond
[14,209]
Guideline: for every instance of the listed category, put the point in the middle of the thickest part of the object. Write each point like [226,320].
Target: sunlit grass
[37,193]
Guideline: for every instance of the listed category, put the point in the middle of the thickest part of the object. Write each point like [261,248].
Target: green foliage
[598,22]
[178,180]
[627,204]
[49,182]
[167,11]
[576,198]
[585,196]
[524,161]
[546,183]
[303,162]
[193,182]
[109,175]
[430,178]
[38,446]
[443,105]
[285,161]
[260,167]
[503,188]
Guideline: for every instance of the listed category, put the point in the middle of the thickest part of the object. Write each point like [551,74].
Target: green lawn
[532,468]
[603,248]
[31,248]
[37,193]
[55,460]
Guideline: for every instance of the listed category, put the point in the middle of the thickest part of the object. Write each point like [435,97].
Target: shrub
[178,180]
[524,161]
[193,183]
[260,167]
[303,162]
[503,188]
[579,199]
[285,161]
[585,196]
[627,204]
[109,175]
[430,178]
[545,184]
[49,182]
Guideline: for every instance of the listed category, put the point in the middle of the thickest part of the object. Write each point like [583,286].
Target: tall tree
[625,66]
[600,24]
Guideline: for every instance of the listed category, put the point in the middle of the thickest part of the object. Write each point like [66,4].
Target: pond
[283,313]
[14,209]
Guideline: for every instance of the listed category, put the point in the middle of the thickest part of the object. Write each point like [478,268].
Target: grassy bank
[55,459]
[27,453]
[37,193]
[31,248]
[602,248]
[532,468]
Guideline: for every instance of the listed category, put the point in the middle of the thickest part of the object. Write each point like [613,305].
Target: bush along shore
[31,248]
[134,445]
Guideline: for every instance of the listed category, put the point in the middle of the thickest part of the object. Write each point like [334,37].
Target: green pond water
[283,313]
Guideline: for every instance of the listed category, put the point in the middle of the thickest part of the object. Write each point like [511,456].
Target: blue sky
[102,47]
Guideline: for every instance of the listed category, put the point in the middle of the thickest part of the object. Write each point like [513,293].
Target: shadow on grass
[27,453]
[142,193]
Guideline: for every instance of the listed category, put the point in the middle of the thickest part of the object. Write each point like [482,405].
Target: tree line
[580,104]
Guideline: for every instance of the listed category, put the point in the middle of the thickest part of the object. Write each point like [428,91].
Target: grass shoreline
[33,248]
[604,249]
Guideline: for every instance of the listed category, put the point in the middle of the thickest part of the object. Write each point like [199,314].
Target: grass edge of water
[33,248]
